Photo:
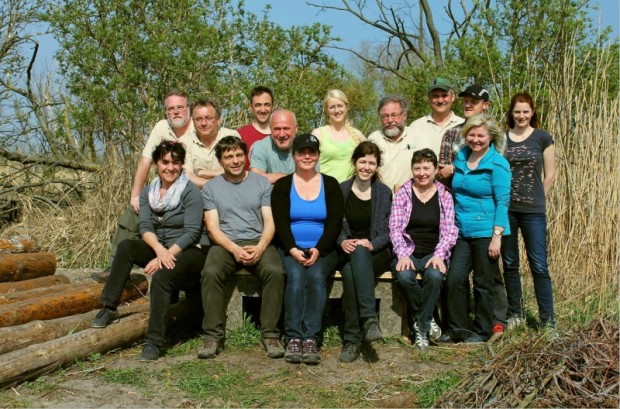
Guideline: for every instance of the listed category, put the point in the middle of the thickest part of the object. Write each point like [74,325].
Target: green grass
[429,392]
[134,377]
[244,337]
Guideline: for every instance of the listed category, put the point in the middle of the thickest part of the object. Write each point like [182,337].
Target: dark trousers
[358,289]
[534,231]
[184,276]
[420,299]
[219,268]
[475,253]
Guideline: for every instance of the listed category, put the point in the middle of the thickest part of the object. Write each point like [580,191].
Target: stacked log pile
[45,320]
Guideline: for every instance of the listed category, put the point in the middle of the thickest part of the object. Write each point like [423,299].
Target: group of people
[291,209]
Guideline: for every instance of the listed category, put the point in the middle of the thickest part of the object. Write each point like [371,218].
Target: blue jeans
[420,299]
[534,231]
[474,253]
[358,289]
[305,295]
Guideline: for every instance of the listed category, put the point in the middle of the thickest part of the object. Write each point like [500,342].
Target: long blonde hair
[338,94]
[498,137]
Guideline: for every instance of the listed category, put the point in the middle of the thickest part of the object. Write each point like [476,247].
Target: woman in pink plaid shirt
[423,232]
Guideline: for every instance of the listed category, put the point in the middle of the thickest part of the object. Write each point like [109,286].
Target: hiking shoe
[293,353]
[372,332]
[350,352]
[273,347]
[446,338]
[435,331]
[514,322]
[210,348]
[101,276]
[104,317]
[150,353]
[421,341]
[474,339]
[310,352]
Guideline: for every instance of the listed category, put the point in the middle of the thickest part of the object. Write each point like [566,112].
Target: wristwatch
[497,232]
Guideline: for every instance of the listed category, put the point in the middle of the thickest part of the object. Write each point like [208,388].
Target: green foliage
[331,337]
[430,392]
[121,57]
[246,336]
[135,377]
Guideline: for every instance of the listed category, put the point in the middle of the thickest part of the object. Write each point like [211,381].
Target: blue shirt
[307,217]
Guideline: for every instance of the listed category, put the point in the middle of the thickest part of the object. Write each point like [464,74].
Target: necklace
[425,196]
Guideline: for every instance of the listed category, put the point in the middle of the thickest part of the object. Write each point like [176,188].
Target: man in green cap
[428,130]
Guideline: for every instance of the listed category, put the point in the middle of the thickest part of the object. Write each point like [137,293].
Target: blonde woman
[338,138]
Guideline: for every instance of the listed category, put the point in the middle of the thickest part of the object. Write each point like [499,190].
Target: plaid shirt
[450,138]
[399,219]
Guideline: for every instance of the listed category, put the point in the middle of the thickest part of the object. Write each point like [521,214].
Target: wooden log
[34,293]
[81,298]
[18,244]
[24,285]
[39,359]
[36,332]
[24,266]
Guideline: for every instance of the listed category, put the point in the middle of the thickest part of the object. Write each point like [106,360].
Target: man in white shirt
[429,130]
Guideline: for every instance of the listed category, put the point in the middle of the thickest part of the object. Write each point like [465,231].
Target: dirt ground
[385,376]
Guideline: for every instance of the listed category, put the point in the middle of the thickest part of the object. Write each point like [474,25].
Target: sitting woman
[365,242]
[338,138]
[481,188]
[170,250]
[423,232]
[308,216]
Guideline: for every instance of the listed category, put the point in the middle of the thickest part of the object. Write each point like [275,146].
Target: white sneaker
[435,331]
[514,322]
[421,341]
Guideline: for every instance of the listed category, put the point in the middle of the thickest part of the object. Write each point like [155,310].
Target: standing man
[475,100]
[273,157]
[429,129]
[261,104]
[240,224]
[396,143]
[176,125]
[201,165]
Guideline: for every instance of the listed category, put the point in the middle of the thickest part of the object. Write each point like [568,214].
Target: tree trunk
[24,266]
[24,285]
[18,244]
[40,359]
[34,293]
[75,300]
[35,332]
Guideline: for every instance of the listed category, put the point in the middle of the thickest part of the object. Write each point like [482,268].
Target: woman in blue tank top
[307,206]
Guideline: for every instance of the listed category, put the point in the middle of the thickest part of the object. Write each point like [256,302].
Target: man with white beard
[397,146]
[176,125]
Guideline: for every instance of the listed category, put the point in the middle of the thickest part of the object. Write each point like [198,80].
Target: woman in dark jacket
[365,242]
[307,206]
[172,249]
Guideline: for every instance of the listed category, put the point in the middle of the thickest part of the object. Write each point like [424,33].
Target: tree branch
[63,163]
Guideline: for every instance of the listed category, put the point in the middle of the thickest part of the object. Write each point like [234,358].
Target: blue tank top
[307,217]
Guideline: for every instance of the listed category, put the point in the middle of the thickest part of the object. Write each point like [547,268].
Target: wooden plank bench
[390,303]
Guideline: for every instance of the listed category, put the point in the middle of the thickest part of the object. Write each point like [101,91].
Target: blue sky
[353,32]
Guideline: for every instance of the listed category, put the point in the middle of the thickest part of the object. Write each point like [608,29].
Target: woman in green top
[338,138]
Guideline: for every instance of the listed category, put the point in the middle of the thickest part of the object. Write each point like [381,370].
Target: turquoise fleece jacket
[481,195]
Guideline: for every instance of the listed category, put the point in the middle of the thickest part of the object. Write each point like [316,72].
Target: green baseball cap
[440,83]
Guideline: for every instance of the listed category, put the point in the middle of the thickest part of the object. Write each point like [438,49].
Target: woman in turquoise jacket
[481,188]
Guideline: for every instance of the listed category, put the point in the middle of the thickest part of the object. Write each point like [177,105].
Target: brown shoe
[101,276]
[210,348]
[273,347]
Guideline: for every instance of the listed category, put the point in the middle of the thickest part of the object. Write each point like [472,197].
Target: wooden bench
[390,303]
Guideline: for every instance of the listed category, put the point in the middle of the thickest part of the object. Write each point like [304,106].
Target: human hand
[495,247]
[135,204]
[152,267]
[254,253]
[165,258]
[365,243]
[348,246]
[404,263]
[314,255]
[445,170]
[437,264]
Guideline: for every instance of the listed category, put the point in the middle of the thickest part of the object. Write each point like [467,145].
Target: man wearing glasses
[396,144]
[201,165]
[176,125]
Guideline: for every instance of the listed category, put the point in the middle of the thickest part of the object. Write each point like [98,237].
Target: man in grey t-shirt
[240,224]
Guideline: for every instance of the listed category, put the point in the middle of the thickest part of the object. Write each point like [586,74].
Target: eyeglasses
[207,119]
[393,115]
[168,144]
[177,108]
[335,107]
